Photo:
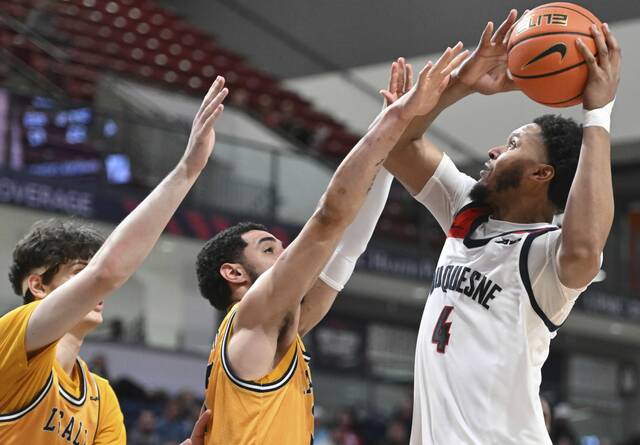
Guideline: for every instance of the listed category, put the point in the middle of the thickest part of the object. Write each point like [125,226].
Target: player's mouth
[99,307]
[485,171]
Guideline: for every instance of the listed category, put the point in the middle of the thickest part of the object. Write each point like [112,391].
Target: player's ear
[233,273]
[36,286]
[543,173]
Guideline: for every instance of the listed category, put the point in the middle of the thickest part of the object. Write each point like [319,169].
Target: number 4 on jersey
[441,331]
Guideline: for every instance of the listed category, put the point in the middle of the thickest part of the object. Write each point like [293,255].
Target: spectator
[322,432]
[562,433]
[98,365]
[171,428]
[346,432]
[144,433]
[397,433]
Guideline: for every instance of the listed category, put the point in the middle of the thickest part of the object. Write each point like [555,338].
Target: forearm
[414,159]
[355,176]
[589,210]
[297,269]
[130,243]
[119,257]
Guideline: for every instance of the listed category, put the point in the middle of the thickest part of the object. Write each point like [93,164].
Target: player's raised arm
[278,292]
[130,243]
[589,211]
[414,158]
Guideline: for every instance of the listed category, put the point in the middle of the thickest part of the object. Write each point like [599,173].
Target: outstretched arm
[340,267]
[591,195]
[279,291]
[414,158]
[130,243]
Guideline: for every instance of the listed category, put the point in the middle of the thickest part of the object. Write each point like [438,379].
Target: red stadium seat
[138,39]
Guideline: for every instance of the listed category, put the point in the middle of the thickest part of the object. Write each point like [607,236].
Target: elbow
[584,261]
[106,275]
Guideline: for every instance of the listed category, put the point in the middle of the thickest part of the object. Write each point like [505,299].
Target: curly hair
[49,244]
[563,138]
[226,247]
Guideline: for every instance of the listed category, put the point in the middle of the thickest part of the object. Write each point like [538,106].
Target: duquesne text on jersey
[467,281]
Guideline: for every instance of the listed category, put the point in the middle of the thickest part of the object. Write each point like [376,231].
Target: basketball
[543,59]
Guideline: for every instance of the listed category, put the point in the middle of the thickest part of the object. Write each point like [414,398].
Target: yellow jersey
[276,409]
[40,404]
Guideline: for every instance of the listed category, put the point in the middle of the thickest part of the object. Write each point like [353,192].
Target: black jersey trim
[471,243]
[248,384]
[79,401]
[526,280]
[99,409]
[36,400]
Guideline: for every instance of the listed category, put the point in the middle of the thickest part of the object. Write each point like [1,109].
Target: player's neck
[523,211]
[68,350]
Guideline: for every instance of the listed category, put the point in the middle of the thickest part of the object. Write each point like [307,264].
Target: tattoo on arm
[378,166]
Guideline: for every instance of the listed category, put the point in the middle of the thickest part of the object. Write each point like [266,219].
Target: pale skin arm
[130,243]
[415,159]
[320,298]
[278,292]
[591,195]
[315,306]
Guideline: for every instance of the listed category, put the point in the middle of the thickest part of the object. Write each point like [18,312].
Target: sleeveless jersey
[482,342]
[277,409]
[40,404]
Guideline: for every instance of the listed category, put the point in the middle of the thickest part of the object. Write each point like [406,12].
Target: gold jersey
[277,409]
[40,404]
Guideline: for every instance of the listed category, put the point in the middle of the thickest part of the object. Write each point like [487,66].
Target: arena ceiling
[293,38]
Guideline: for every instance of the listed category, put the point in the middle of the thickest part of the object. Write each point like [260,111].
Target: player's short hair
[226,247]
[563,138]
[49,244]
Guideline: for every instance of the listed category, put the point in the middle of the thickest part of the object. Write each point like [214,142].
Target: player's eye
[268,250]
[512,143]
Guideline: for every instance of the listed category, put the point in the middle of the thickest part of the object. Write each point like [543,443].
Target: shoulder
[105,388]
[107,394]
[20,313]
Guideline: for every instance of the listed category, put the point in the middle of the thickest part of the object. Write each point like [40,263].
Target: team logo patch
[507,241]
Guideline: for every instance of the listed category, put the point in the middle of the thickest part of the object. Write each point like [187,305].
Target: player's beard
[481,194]
[251,272]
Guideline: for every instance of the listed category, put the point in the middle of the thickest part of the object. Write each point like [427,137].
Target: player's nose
[495,152]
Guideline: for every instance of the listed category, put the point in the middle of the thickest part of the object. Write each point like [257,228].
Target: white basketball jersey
[482,342]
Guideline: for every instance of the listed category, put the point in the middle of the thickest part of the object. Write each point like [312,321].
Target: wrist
[398,113]
[184,171]
[455,92]
[599,117]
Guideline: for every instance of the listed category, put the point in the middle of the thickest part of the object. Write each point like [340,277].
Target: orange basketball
[544,60]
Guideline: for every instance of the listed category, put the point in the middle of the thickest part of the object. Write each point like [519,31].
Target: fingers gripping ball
[542,55]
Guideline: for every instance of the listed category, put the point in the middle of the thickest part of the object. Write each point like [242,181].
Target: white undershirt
[448,191]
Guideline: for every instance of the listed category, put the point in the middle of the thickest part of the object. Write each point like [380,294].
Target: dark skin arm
[591,195]
[415,159]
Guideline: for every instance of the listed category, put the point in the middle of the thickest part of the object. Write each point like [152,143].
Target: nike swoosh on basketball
[557,48]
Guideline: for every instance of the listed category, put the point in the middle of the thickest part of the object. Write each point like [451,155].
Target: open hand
[604,71]
[431,83]
[485,71]
[203,136]
[400,82]
[197,436]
